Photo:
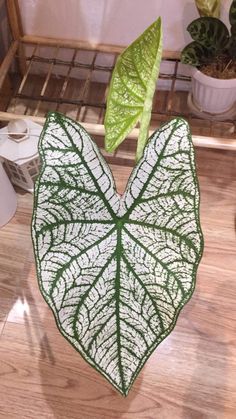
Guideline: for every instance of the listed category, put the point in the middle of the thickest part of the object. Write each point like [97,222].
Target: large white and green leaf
[132,88]
[116,271]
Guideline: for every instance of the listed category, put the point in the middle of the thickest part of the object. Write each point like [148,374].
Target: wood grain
[191,375]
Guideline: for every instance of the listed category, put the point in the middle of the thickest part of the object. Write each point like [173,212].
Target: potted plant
[117,270]
[213,56]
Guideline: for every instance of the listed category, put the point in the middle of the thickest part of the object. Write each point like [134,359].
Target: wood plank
[8,59]
[17,30]
[84,45]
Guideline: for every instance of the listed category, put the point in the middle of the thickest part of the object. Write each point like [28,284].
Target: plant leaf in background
[232,19]
[195,54]
[209,8]
[233,30]
[232,13]
[132,88]
[116,271]
[210,32]
[232,43]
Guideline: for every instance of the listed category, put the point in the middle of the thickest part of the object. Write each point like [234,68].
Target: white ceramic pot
[213,95]
[8,201]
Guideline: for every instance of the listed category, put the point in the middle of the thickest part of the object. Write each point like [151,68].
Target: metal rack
[72,77]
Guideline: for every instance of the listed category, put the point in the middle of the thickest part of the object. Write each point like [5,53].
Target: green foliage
[232,14]
[209,8]
[212,40]
[116,271]
[233,30]
[232,19]
[210,33]
[132,88]
[195,54]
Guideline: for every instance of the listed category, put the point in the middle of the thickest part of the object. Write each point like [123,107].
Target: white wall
[110,21]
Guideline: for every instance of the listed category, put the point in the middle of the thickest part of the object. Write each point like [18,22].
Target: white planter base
[212,95]
[229,115]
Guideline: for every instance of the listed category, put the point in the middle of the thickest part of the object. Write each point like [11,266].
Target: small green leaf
[232,13]
[116,271]
[132,88]
[209,8]
[210,32]
[195,54]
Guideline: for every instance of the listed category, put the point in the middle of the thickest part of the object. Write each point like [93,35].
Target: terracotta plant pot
[213,95]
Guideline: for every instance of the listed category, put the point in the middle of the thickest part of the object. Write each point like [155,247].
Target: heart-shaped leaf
[132,88]
[210,32]
[195,54]
[208,7]
[116,270]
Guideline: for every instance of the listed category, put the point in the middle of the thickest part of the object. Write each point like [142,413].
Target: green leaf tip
[132,88]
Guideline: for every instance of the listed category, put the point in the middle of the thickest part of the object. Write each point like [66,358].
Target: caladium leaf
[210,32]
[132,88]
[116,270]
[208,7]
[195,54]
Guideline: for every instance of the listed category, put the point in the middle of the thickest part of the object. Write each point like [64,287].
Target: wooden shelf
[72,77]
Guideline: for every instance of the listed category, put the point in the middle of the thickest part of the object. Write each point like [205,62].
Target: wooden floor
[191,375]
